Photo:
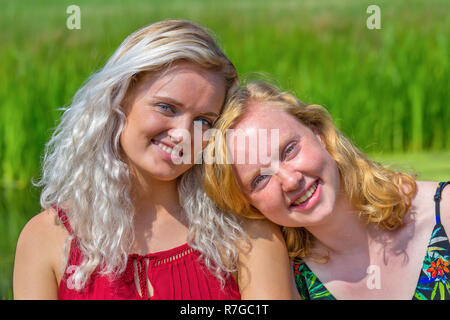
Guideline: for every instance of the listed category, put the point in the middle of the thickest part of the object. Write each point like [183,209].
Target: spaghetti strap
[63,218]
[437,200]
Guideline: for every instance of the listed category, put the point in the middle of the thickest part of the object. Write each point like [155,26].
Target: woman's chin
[160,173]
[167,176]
[306,219]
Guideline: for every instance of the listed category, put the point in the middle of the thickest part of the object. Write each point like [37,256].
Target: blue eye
[165,108]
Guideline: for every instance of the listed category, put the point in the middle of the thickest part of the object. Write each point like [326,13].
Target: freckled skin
[305,162]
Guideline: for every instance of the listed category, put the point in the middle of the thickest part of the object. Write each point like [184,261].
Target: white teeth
[167,149]
[307,194]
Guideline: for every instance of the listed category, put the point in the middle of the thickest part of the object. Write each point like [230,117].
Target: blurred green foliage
[386,89]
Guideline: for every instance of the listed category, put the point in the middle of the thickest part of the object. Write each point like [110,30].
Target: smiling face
[161,109]
[303,191]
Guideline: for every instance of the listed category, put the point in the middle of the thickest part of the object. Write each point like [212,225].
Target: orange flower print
[297,269]
[438,267]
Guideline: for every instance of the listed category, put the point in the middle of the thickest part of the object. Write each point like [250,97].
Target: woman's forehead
[261,115]
[262,132]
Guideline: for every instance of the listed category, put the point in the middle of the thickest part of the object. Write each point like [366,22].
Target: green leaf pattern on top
[433,284]
[434,277]
[308,285]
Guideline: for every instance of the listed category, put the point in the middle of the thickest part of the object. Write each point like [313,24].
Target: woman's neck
[159,219]
[342,233]
[154,197]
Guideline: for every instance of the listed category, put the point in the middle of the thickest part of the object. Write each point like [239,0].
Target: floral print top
[434,279]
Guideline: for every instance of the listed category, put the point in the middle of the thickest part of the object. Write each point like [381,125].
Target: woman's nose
[177,135]
[181,131]
[290,179]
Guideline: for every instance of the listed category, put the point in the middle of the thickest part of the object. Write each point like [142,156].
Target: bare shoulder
[265,271]
[262,229]
[424,200]
[42,236]
[38,253]
[445,207]
[424,197]
[42,229]
[445,197]
[265,241]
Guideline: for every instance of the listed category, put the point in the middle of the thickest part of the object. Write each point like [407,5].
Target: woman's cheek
[266,204]
[256,202]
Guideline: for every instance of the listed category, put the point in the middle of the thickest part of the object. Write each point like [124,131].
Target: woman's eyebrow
[169,100]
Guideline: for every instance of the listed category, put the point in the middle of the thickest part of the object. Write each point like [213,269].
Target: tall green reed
[387,89]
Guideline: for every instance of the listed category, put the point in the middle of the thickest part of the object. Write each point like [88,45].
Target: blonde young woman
[122,219]
[356,230]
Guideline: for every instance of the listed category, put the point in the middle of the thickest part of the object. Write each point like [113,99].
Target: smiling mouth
[170,151]
[308,194]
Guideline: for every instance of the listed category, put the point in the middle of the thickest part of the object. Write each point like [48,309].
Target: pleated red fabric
[174,274]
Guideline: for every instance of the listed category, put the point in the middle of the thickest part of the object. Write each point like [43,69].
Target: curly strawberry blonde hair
[381,195]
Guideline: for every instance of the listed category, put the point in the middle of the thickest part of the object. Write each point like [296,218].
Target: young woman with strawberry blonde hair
[355,229]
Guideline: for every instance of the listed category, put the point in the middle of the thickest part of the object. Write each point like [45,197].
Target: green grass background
[386,89]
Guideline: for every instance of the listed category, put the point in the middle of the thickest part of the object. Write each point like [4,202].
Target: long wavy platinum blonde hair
[84,174]
[378,193]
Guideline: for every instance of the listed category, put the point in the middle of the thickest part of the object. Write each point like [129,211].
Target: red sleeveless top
[174,274]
